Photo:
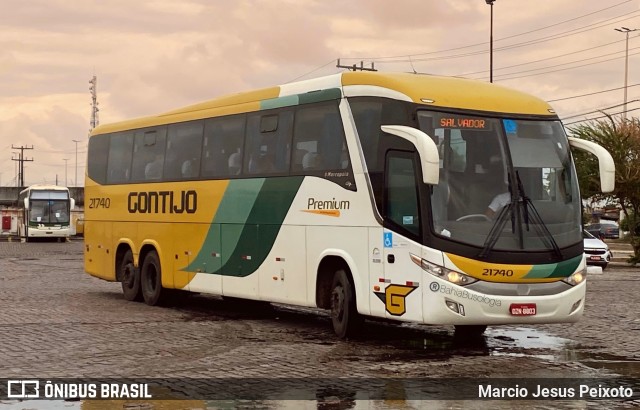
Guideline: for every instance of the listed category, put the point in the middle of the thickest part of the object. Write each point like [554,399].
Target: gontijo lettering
[163,202]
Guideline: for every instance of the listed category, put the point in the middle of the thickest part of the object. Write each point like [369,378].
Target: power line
[589,94]
[500,39]
[543,59]
[557,36]
[602,116]
[596,110]
[555,71]
[311,72]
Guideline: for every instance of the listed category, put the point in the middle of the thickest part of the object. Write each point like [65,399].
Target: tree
[621,137]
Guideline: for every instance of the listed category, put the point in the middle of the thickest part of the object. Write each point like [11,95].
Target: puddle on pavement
[516,342]
[601,361]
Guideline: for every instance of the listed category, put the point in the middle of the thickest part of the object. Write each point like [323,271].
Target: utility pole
[76,174]
[626,65]
[21,160]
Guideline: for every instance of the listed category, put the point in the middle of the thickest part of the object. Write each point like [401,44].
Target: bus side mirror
[72,204]
[427,150]
[26,203]
[606,165]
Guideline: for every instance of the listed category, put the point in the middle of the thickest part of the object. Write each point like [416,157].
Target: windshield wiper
[529,214]
[546,236]
[498,225]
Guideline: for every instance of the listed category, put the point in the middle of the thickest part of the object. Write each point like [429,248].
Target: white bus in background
[46,212]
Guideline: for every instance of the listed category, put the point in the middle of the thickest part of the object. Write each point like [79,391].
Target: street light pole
[65,171]
[626,65]
[76,174]
[490,3]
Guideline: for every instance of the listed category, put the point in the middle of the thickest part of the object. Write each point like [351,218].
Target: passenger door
[401,237]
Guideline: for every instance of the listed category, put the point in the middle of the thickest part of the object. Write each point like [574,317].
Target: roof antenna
[412,67]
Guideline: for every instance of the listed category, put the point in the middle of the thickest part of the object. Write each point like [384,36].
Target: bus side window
[223,146]
[268,143]
[319,141]
[97,167]
[119,162]
[184,142]
[148,154]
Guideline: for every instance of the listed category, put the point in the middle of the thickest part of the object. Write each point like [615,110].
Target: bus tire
[130,278]
[344,314]
[470,331]
[151,279]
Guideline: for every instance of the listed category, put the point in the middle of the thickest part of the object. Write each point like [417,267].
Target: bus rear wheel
[130,278]
[344,315]
[151,279]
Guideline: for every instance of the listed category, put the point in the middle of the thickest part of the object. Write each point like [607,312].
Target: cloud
[155,55]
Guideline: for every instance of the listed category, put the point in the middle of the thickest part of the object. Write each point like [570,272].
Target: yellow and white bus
[411,197]
[45,212]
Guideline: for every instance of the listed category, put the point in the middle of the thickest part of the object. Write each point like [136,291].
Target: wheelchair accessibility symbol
[388,240]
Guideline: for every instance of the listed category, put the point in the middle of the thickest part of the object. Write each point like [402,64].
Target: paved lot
[58,322]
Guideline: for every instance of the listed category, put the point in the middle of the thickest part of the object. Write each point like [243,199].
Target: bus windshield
[49,207]
[505,184]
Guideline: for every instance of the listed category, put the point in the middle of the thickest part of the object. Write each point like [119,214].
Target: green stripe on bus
[234,209]
[278,102]
[320,95]
[249,219]
[263,224]
[306,98]
[554,270]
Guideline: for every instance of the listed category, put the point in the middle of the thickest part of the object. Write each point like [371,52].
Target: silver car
[597,252]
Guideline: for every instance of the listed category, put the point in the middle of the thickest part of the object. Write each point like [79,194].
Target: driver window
[401,202]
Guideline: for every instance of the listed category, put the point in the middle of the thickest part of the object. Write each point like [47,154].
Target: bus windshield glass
[505,184]
[49,208]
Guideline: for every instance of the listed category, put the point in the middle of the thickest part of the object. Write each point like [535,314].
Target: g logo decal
[394,298]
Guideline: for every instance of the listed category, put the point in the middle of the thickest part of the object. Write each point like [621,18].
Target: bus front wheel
[130,278]
[344,315]
[151,279]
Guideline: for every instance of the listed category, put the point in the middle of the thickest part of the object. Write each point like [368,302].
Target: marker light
[442,272]
[575,306]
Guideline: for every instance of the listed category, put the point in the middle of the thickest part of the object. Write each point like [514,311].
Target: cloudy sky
[150,56]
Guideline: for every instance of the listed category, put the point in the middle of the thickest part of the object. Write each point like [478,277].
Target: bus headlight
[577,278]
[440,271]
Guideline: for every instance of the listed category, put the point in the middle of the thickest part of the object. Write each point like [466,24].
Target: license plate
[595,258]
[522,309]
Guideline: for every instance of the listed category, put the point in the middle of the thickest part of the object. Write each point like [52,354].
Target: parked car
[604,230]
[597,252]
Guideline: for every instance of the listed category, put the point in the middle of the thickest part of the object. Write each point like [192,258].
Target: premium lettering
[163,202]
[312,203]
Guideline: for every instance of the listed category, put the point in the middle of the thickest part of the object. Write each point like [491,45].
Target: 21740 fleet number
[99,203]
[497,272]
